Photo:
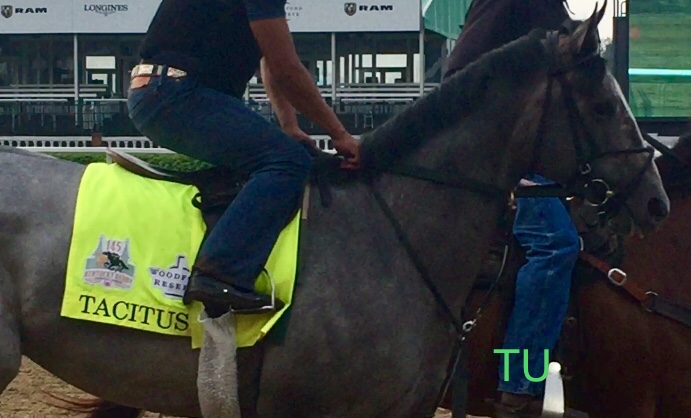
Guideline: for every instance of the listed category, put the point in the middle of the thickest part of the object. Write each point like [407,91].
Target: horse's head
[585,114]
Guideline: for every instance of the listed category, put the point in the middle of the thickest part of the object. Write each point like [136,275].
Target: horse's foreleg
[10,346]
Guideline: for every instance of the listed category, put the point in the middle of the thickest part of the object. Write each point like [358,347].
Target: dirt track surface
[26,396]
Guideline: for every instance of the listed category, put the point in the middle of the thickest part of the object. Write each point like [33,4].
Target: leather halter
[650,300]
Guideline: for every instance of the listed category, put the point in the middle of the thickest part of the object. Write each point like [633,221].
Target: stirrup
[263,309]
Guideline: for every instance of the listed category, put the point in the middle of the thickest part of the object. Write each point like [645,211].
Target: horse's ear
[585,38]
[601,13]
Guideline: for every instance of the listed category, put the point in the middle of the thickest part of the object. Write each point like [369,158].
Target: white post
[553,403]
[334,70]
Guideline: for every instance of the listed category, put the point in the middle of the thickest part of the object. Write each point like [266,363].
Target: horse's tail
[96,408]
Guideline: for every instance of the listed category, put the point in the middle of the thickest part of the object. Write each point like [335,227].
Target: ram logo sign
[351,8]
[375,8]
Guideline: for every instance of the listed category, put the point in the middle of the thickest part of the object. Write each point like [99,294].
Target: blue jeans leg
[220,129]
[544,228]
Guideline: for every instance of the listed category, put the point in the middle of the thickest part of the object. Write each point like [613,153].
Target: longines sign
[134,16]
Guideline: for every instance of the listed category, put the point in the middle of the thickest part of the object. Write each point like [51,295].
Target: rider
[190,100]
[542,225]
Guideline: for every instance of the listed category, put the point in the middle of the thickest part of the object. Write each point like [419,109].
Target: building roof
[445,17]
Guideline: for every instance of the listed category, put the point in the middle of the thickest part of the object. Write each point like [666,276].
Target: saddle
[218,186]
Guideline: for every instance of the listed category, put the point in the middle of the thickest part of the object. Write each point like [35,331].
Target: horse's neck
[449,227]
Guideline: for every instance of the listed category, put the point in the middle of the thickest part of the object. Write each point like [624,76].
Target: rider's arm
[270,28]
[280,104]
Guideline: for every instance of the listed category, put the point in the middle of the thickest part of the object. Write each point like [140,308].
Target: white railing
[397,92]
[362,92]
[82,144]
[50,92]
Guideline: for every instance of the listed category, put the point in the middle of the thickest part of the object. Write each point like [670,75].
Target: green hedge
[169,161]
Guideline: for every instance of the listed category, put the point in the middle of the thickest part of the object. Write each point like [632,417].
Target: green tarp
[445,16]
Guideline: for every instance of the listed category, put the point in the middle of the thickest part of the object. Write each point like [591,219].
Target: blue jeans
[190,119]
[544,228]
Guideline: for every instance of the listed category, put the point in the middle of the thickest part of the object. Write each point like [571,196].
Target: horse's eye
[604,109]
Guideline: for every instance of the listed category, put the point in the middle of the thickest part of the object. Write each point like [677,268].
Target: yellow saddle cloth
[134,241]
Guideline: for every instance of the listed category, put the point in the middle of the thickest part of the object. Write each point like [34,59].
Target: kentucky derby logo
[109,265]
[350,8]
[7,11]
[173,280]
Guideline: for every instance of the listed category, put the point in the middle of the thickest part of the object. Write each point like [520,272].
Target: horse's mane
[453,100]
[676,176]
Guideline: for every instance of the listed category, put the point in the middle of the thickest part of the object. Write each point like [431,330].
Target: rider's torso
[210,39]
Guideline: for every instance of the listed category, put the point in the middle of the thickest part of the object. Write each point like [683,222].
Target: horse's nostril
[657,209]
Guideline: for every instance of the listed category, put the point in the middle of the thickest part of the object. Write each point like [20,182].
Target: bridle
[594,190]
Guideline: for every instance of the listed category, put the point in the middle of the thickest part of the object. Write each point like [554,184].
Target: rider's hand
[346,145]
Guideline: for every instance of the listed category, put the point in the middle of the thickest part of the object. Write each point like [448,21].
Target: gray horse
[365,337]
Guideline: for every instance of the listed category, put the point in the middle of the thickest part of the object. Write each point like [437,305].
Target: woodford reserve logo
[292,10]
[173,280]
[109,265]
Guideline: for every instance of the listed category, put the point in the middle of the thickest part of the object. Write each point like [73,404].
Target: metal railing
[59,117]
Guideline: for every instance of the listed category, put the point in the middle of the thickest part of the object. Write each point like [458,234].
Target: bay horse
[622,359]
[372,321]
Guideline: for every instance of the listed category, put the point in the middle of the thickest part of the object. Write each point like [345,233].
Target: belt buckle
[143,69]
[175,73]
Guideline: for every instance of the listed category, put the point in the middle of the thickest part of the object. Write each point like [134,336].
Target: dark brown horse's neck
[449,228]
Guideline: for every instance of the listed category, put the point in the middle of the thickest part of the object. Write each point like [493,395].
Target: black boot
[220,297]
[518,406]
